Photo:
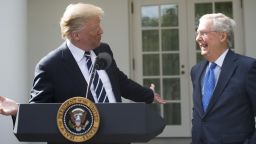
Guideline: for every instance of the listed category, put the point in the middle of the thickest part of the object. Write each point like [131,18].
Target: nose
[101,31]
[198,37]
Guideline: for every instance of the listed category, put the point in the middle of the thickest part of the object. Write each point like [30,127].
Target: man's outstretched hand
[8,106]
[157,97]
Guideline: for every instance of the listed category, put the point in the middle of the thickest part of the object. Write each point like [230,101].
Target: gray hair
[75,17]
[222,23]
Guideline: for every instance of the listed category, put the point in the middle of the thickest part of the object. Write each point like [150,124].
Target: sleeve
[251,90]
[42,90]
[132,90]
[128,88]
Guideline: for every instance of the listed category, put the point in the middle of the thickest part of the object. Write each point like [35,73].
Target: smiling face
[212,43]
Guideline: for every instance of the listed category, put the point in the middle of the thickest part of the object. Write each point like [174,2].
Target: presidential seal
[78,119]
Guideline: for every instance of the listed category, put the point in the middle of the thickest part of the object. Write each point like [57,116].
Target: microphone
[102,62]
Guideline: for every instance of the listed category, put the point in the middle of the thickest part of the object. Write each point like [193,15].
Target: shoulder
[104,47]
[198,65]
[54,56]
[197,69]
[245,61]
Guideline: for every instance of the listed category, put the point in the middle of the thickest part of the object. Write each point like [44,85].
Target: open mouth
[203,45]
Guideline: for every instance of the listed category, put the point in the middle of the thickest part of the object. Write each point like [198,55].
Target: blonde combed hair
[75,17]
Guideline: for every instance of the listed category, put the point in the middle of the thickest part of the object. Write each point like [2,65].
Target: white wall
[250,30]
[13,60]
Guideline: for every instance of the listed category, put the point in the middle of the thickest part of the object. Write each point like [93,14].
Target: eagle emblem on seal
[78,119]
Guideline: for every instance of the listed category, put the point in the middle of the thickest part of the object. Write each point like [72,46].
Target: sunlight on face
[207,39]
[90,35]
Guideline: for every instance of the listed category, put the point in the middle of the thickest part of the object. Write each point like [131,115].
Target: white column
[13,60]
[249,25]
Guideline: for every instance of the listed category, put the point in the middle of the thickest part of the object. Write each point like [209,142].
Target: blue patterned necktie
[97,83]
[209,84]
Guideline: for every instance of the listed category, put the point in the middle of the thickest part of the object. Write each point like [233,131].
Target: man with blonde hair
[224,87]
[65,72]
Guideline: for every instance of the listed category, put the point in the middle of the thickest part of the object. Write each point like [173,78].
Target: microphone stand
[103,60]
[92,75]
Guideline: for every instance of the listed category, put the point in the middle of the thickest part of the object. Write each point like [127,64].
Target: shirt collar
[76,52]
[220,60]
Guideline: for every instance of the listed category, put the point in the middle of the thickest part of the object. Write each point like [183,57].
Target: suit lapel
[227,70]
[76,77]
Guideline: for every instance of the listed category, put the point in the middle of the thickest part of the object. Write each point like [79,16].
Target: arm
[136,92]
[42,90]
[128,88]
[251,90]
[157,97]
[131,90]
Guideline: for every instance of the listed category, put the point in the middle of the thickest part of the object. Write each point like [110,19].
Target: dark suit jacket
[229,118]
[58,78]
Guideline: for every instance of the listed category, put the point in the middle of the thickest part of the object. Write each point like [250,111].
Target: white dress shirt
[217,69]
[78,54]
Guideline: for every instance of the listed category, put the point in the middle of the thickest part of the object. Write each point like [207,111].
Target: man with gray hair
[224,87]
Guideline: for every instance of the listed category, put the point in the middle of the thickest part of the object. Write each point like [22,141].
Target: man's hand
[8,106]
[157,97]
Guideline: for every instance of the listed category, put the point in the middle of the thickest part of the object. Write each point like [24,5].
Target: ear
[223,36]
[75,36]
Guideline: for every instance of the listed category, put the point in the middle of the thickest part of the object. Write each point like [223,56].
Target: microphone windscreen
[103,61]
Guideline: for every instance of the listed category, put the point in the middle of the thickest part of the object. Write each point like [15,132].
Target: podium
[119,123]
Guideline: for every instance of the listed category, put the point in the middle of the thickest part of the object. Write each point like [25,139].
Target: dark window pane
[171,64]
[171,88]
[150,16]
[172,113]
[201,9]
[150,40]
[151,65]
[170,39]
[225,8]
[169,14]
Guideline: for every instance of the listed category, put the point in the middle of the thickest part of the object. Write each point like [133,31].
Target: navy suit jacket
[229,118]
[58,78]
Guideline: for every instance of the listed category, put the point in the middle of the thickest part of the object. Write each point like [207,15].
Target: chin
[204,53]
[98,44]
[204,50]
[95,45]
